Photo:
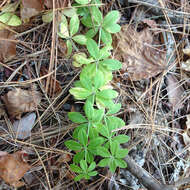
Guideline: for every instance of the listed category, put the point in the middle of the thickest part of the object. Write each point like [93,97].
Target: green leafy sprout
[94,136]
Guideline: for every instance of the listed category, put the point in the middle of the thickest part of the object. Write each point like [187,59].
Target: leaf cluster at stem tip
[94,136]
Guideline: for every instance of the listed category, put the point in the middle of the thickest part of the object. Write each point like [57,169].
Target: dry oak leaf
[7,47]
[18,101]
[137,52]
[13,167]
[30,8]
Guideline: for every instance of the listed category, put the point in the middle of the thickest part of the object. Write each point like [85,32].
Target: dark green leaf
[78,156]
[73,145]
[114,122]
[96,142]
[78,128]
[121,153]
[104,131]
[79,177]
[114,146]
[76,168]
[113,166]
[69,47]
[76,117]
[89,157]
[121,138]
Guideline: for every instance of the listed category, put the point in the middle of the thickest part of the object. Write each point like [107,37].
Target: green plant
[94,135]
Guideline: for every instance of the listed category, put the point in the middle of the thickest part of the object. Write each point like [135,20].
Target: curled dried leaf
[19,101]
[7,47]
[136,49]
[13,167]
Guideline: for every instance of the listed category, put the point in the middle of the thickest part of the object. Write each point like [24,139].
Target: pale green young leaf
[107,94]
[63,31]
[114,122]
[76,117]
[82,2]
[80,39]
[69,47]
[80,93]
[91,32]
[93,173]
[112,64]
[114,109]
[85,81]
[98,115]
[74,24]
[93,48]
[47,17]
[73,145]
[69,12]
[98,80]
[96,15]
[106,37]
[111,18]
[10,19]
[114,28]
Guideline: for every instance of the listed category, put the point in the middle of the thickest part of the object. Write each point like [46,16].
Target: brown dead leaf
[19,101]
[54,85]
[13,167]
[58,4]
[137,52]
[30,8]
[7,47]
[175,92]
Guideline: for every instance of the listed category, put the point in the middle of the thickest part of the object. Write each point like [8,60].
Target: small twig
[144,177]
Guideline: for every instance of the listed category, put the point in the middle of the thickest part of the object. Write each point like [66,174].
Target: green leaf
[114,28]
[89,70]
[63,31]
[93,133]
[104,162]
[74,25]
[78,128]
[79,177]
[114,122]
[98,79]
[121,138]
[82,137]
[93,48]
[69,12]
[10,19]
[114,109]
[76,168]
[107,94]
[89,110]
[105,52]
[80,39]
[85,81]
[98,115]
[106,37]
[79,156]
[91,167]
[97,15]
[102,151]
[112,64]
[114,146]
[69,47]
[113,166]
[94,173]
[104,131]
[121,153]
[73,145]
[10,7]
[76,117]
[83,165]
[47,17]
[92,32]
[111,18]
[80,93]
[96,142]
[107,73]
[103,103]
[121,163]
[82,2]
[89,157]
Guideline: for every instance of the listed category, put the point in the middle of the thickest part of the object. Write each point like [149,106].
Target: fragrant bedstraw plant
[94,137]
